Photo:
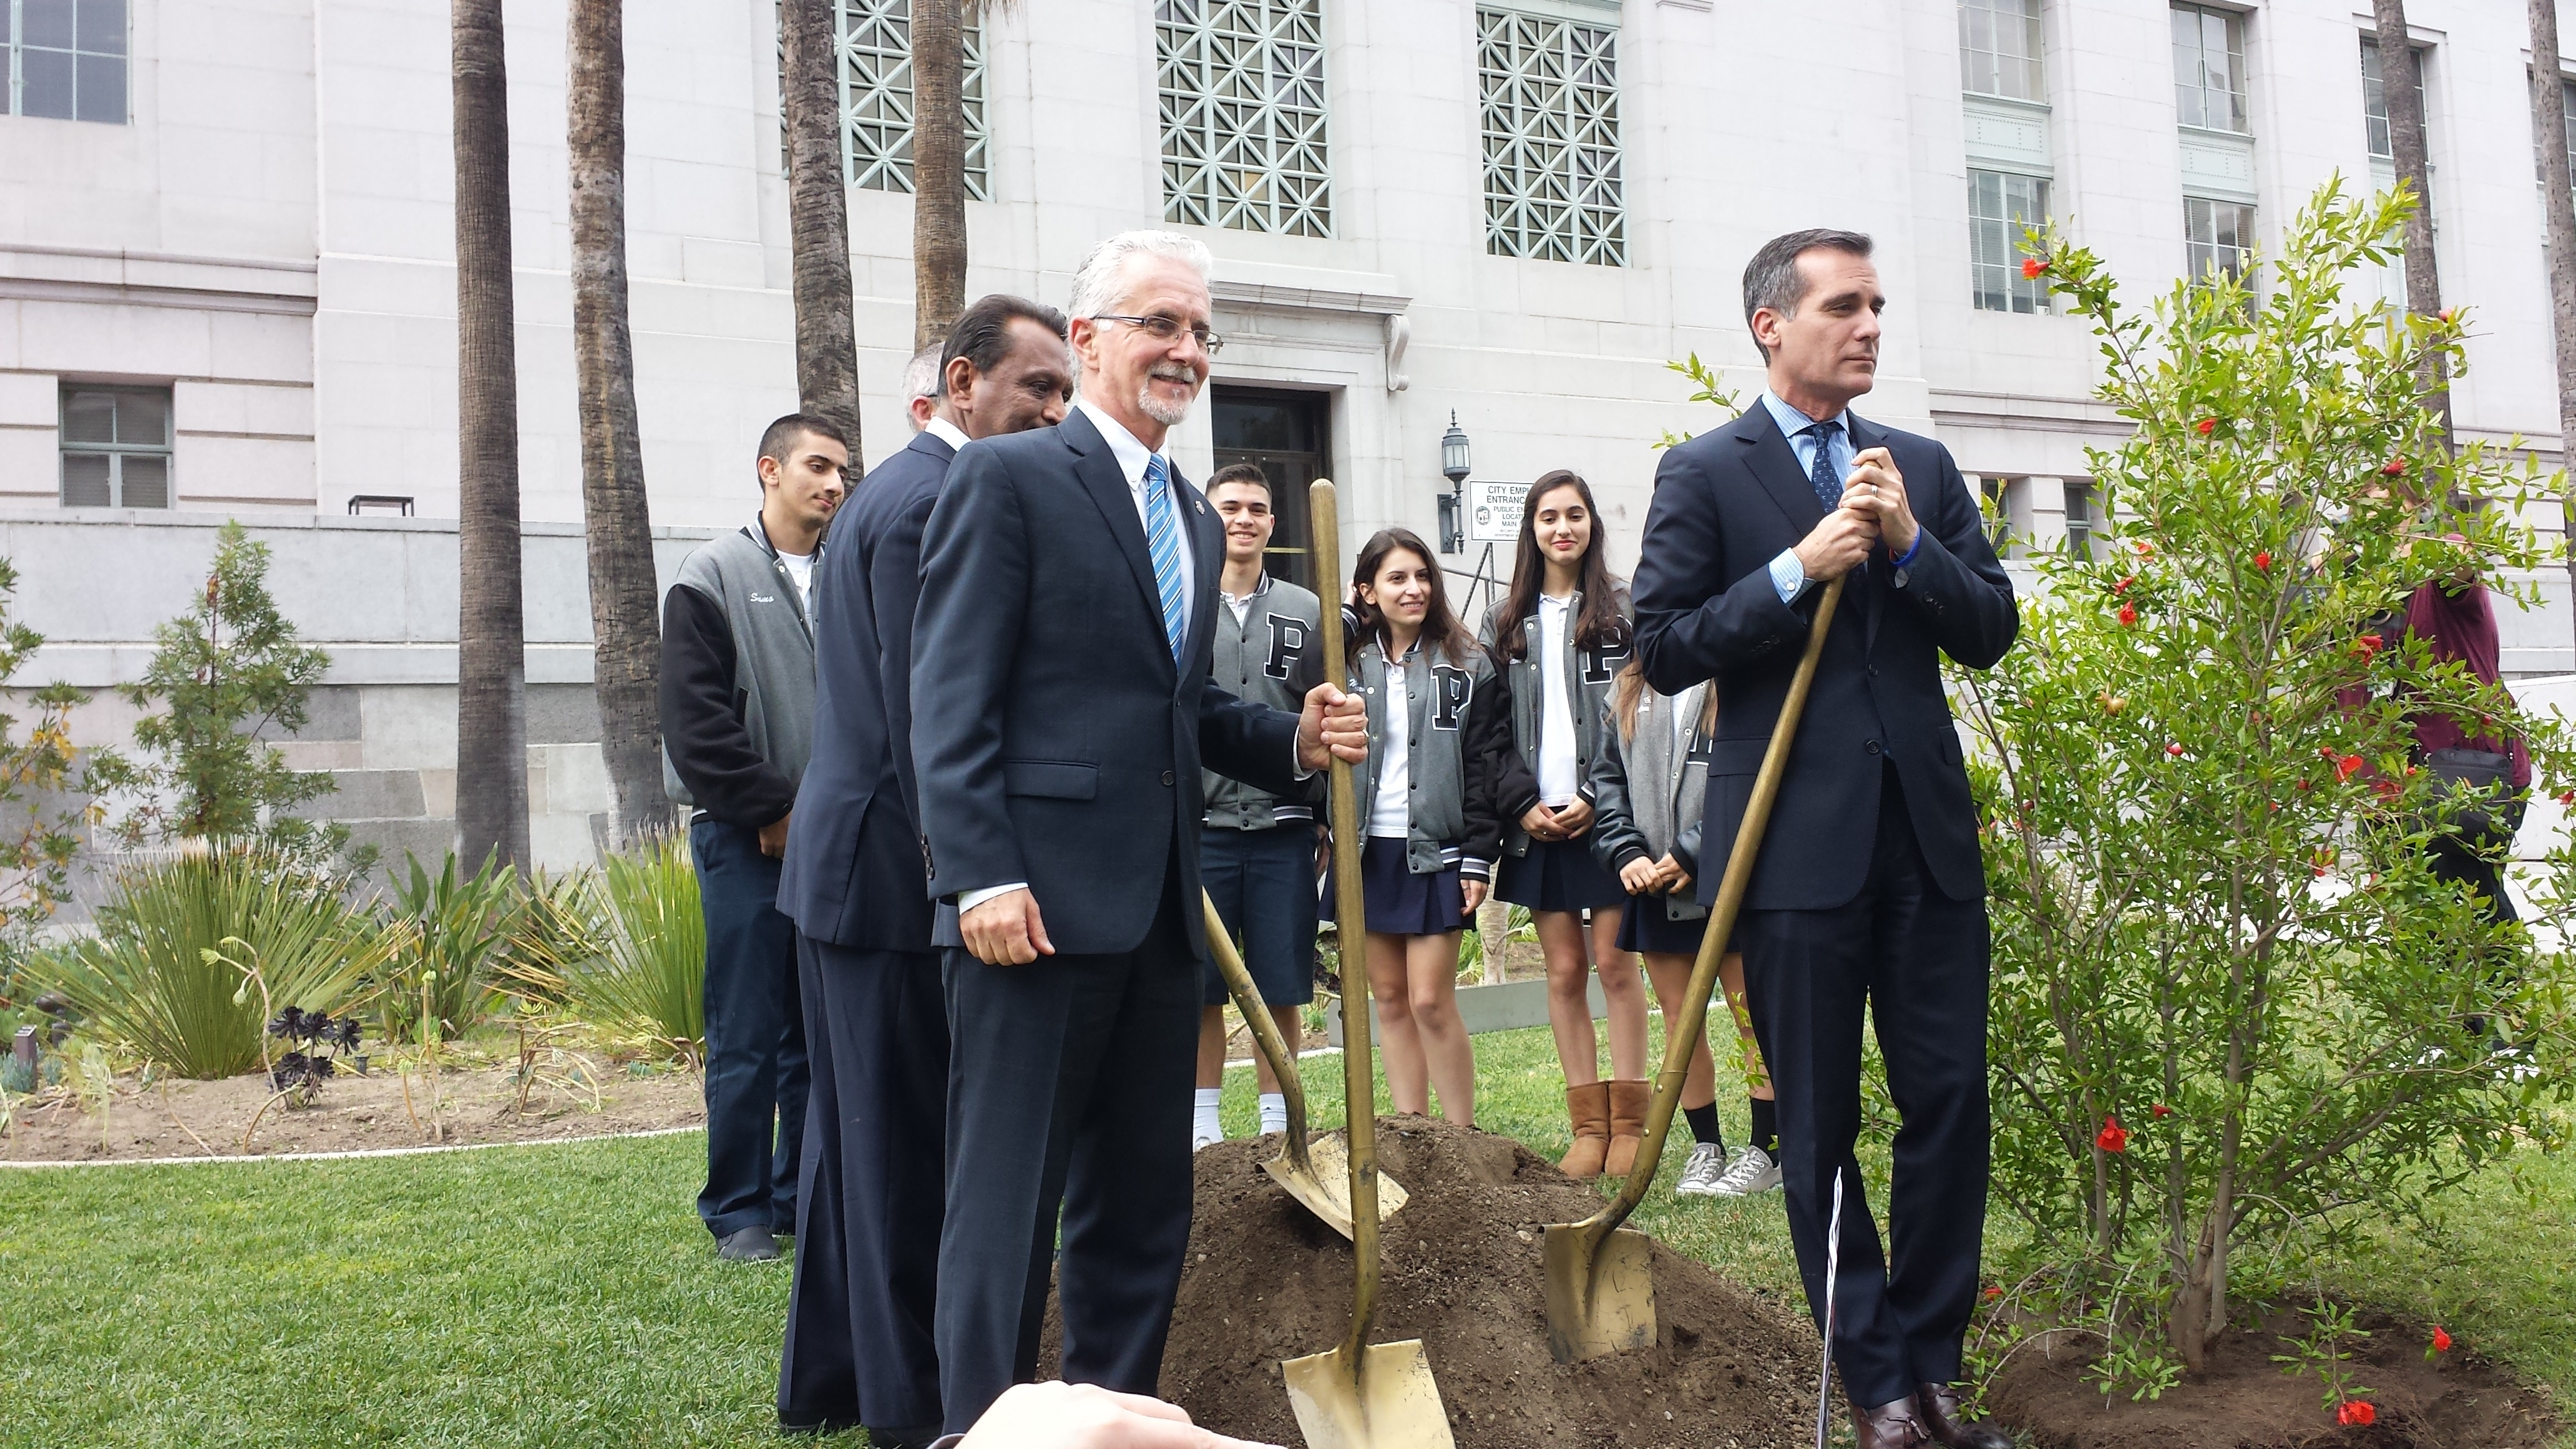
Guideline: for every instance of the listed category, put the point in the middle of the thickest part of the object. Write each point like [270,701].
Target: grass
[566,1295]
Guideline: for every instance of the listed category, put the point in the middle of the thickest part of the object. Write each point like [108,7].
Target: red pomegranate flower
[2441,1340]
[2356,1412]
[2142,548]
[2347,766]
[2113,1137]
[2174,749]
[2162,1110]
[2125,583]
[2128,615]
[1994,1293]
[2393,467]
[2032,267]
[2367,646]
[2205,426]
[2263,560]
[2567,797]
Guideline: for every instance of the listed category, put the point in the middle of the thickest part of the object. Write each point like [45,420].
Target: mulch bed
[2244,1401]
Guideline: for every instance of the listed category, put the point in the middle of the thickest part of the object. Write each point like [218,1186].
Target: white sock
[1274,1112]
[1204,1126]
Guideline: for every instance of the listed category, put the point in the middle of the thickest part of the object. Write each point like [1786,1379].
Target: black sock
[1703,1126]
[1766,1125]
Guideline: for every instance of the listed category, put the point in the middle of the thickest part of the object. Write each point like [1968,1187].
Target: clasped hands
[1009,930]
[1874,512]
[1644,877]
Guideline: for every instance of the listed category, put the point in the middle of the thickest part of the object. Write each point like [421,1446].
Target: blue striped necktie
[1163,541]
[1829,488]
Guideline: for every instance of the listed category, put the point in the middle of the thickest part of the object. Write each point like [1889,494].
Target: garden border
[355,1152]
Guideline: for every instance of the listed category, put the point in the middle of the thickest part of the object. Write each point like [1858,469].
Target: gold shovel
[1600,1299]
[1360,1395]
[1315,1173]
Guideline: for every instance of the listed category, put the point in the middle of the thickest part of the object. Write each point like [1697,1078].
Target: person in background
[1257,851]
[859,1313]
[737,698]
[1561,633]
[1438,731]
[922,385]
[1650,779]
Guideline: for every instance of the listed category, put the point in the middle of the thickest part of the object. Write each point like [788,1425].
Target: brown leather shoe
[1939,1409]
[1589,1107]
[1628,1102]
[1889,1426]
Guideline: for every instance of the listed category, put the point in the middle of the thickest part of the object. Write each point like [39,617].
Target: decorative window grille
[2209,68]
[874,41]
[116,447]
[2000,49]
[1551,123]
[67,59]
[2000,206]
[1241,89]
[2217,234]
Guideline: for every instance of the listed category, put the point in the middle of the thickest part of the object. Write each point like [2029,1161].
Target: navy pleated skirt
[1559,875]
[1401,903]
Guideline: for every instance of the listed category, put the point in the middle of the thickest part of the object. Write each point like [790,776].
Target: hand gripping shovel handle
[1350,916]
[1265,1032]
[1682,1029]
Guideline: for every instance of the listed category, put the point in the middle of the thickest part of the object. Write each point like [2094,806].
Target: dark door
[1287,435]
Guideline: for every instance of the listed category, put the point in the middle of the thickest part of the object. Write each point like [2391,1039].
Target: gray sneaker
[1752,1171]
[1700,1174]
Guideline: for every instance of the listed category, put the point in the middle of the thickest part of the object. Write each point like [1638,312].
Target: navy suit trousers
[868,1212]
[1916,960]
[756,1079]
[1068,1090]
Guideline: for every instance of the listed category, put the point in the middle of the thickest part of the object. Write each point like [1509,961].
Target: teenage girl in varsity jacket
[1437,729]
[1650,779]
[1560,635]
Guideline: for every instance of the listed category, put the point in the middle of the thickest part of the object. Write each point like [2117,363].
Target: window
[875,45]
[116,447]
[2079,518]
[1242,98]
[67,59]
[1999,49]
[1551,123]
[2000,206]
[2216,234]
[2374,101]
[2567,108]
[2209,68]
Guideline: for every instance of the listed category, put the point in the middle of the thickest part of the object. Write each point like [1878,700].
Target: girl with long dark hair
[1560,635]
[1436,733]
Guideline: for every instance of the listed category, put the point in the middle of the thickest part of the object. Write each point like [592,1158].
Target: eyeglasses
[1169,329]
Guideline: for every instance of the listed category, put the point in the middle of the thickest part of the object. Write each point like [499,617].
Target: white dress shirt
[945,431]
[1391,811]
[1559,777]
[1132,455]
[1788,576]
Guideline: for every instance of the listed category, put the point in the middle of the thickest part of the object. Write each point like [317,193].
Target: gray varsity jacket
[737,686]
[1455,737]
[1588,681]
[1648,795]
[1272,656]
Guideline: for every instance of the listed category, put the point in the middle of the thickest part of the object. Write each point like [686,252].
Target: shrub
[2230,999]
[460,928]
[624,949]
[39,829]
[158,982]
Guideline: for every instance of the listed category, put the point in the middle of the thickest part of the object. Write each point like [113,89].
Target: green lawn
[566,1295]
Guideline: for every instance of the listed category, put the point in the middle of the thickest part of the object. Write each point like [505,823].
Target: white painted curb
[362,1152]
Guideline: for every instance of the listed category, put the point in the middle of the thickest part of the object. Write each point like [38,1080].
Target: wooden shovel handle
[1265,1032]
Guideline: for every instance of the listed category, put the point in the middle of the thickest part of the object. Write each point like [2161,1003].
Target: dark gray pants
[756,1084]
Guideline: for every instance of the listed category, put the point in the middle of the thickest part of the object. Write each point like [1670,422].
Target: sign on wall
[1494,510]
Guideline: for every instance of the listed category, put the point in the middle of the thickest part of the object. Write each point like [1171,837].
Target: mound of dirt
[2244,1401]
[1266,1281]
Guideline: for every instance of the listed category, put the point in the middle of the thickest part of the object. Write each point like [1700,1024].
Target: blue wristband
[1910,551]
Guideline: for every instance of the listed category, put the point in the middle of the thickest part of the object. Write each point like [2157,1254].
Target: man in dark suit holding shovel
[1748,523]
[1061,711]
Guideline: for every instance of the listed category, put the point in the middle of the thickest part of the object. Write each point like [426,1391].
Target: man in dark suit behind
[859,1314]
[1748,523]
[1061,712]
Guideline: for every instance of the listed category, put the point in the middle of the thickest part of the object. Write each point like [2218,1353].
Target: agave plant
[461,927]
[624,949]
[158,981]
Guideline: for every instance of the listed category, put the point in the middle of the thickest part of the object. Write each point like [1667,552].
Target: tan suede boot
[1589,1107]
[1627,1126]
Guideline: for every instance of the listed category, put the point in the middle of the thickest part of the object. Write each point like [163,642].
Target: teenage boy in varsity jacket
[737,696]
[1257,853]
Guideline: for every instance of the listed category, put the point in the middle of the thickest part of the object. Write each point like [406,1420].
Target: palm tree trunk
[491,633]
[818,207]
[938,167]
[2558,205]
[617,521]
[2398,82]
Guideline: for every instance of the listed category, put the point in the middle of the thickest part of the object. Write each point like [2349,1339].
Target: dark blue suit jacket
[1726,503]
[854,874]
[1057,743]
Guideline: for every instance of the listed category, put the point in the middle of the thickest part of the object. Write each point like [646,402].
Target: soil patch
[1265,1281]
[350,1113]
[2245,1401]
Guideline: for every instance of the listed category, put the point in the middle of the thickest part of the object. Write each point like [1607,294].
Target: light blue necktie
[1163,541]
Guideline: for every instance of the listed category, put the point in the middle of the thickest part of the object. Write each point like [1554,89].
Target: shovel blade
[1600,1302]
[1325,1187]
[1387,1401]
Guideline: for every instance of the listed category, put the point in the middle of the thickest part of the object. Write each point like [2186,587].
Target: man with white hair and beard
[1061,712]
